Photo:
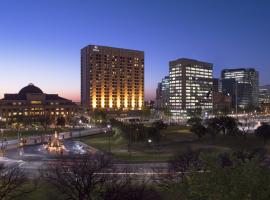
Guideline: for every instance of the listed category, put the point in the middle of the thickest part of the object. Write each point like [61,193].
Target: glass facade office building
[191,84]
[163,93]
[243,85]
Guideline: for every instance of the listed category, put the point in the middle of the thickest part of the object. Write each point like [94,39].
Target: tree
[229,125]
[82,178]
[223,177]
[154,134]
[61,121]
[45,121]
[160,125]
[146,113]
[93,177]
[196,127]
[213,127]
[246,125]
[184,161]
[130,191]
[2,124]
[84,119]
[128,187]
[196,113]
[199,130]
[194,120]
[12,182]
[263,132]
[73,121]
[99,116]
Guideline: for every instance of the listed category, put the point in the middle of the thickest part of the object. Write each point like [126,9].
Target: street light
[109,135]
[2,148]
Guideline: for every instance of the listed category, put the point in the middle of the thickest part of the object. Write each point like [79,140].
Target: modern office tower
[216,84]
[221,102]
[264,94]
[191,84]
[243,85]
[163,94]
[112,78]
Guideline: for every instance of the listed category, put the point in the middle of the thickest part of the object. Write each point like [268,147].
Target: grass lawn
[101,142]
[175,139]
[44,191]
[140,152]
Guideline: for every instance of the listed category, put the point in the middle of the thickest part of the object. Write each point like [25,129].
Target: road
[31,160]
[31,140]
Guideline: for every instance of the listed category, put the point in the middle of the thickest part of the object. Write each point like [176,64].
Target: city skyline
[41,41]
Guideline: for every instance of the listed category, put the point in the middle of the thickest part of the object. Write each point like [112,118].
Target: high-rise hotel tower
[112,78]
[191,84]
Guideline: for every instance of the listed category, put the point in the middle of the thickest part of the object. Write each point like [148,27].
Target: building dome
[30,89]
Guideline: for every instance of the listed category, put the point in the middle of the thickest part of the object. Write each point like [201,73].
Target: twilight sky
[40,40]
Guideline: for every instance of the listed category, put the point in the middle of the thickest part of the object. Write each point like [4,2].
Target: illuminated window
[36,102]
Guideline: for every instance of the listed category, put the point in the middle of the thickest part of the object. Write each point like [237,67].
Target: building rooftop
[190,61]
[30,89]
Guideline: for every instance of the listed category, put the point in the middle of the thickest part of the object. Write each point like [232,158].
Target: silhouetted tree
[146,113]
[194,120]
[12,182]
[160,125]
[263,132]
[229,125]
[213,127]
[99,116]
[93,177]
[128,187]
[196,127]
[82,178]
[45,121]
[199,130]
[61,121]
[217,175]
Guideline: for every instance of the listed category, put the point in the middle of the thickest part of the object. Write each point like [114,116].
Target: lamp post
[150,142]
[109,137]
[236,99]
[129,141]
[2,147]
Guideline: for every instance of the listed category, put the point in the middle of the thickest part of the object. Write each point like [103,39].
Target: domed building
[32,102]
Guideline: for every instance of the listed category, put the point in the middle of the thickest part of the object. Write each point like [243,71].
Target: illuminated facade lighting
[112,78]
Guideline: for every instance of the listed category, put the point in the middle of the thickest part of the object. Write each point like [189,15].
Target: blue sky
[40,40]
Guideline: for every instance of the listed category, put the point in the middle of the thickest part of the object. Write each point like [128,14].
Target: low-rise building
[32,103]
